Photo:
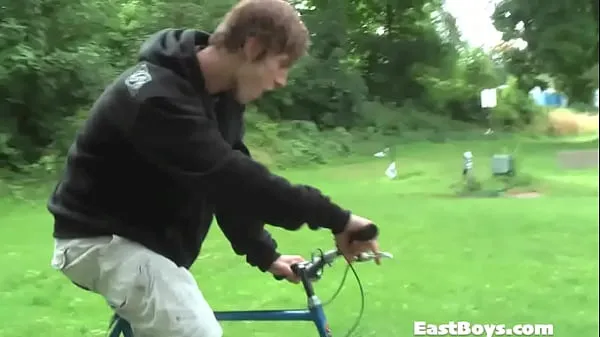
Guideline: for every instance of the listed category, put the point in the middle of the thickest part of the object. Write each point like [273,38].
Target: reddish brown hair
[276,24]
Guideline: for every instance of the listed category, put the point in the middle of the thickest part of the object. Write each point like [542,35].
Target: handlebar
[312,270]
[366,233]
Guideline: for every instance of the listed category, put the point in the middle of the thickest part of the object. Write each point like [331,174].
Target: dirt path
[578,159]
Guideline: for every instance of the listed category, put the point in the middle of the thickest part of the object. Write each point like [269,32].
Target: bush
[300,142]
[564,122]
[514,109]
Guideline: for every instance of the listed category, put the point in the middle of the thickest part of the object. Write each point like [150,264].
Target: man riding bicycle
[162,153]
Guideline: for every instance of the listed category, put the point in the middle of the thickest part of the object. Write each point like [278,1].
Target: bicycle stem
[304,274]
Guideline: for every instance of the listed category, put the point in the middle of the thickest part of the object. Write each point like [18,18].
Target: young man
[162,153]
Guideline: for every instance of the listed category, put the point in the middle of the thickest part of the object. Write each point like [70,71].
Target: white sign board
[488,98]
[596,98]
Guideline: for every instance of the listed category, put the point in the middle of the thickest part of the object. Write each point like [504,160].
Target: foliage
[375,69]
[514,108]
[562,40]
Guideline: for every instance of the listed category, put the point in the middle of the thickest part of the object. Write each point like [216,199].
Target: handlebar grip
[367,233]
[295,269]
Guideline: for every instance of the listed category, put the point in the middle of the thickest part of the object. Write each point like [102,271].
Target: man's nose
[281,81]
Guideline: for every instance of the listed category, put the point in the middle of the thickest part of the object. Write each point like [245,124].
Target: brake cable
[339,289]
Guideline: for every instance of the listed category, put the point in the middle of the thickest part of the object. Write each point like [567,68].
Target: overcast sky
[473,20]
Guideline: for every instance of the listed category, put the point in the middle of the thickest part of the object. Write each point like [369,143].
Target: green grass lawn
[499,260]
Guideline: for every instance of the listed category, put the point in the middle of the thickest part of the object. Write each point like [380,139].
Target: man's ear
[253,49]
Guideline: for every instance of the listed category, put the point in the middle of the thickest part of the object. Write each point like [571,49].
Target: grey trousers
[155,296]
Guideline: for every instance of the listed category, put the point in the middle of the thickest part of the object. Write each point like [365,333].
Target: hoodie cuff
[338,220]
[266,261]
[263,257]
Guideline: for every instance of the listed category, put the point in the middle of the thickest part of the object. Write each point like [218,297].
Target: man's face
[256,77]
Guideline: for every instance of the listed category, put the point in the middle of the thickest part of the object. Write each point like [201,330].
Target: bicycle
[308,272]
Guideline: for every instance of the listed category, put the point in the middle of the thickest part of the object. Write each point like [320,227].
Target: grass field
[484,260]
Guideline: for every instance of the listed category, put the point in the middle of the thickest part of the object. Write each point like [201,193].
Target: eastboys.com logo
[488,330]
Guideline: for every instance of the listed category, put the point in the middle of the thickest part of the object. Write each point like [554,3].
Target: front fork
[316,308]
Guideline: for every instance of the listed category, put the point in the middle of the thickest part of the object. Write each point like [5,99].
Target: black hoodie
[158,157]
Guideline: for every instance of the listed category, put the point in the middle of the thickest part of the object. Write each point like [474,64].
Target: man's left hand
[283,267]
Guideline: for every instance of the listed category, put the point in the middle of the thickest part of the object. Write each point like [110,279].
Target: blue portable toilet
[537,95]
[552,98]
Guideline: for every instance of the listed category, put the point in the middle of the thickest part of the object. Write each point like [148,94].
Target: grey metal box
[503,164]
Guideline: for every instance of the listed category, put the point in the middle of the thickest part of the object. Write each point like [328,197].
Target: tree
[561,36]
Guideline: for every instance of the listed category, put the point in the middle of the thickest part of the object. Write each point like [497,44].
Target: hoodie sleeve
[176,135]
[247,236]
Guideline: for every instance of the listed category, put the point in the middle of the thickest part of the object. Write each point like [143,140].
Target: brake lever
[363,257]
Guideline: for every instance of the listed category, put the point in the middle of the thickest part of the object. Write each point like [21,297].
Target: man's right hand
[352,249]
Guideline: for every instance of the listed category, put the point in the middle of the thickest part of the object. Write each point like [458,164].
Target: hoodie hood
[175,49]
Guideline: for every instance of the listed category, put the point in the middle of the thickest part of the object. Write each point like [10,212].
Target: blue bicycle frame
[314,313]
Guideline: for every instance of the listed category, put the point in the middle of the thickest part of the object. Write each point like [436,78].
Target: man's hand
[283,267]
[351,250]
